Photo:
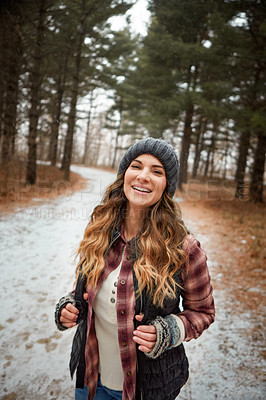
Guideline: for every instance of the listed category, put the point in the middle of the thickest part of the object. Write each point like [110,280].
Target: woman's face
[144,181]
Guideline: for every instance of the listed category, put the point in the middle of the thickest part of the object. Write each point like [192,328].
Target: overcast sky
[139,17]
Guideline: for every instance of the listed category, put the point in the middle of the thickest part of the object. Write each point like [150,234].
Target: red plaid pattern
[198,303]
[198,311]
[125,322]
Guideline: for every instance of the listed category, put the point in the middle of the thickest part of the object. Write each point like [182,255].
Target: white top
[104,306]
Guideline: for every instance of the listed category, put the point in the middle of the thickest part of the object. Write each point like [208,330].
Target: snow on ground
[37,246]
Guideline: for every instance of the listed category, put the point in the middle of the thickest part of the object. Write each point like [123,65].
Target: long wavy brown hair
[158,246]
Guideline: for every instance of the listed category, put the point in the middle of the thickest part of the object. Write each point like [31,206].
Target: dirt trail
[37,245]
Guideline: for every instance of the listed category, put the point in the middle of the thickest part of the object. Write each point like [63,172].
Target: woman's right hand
[70,313]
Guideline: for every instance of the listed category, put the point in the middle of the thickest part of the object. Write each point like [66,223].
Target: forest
[197,79]
[79,83]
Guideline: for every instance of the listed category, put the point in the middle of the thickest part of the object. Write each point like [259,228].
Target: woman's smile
[141,189]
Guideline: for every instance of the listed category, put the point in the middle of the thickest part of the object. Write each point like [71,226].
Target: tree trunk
[10,116]
[75,88]
[16,87]
[199,146]
[207,163]
[241,164]
[54,134]
[256,184]
[212,163]
[34,112]
[225,156]
[186,140]
[185,146]
[210,154]
[3,69]
[118,133]
[86,147]
[213,147]
[55,128]
[57,116]
[12,64]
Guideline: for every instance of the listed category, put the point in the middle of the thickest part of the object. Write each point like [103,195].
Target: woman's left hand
[145,336]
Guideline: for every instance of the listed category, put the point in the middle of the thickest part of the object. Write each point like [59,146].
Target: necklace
[127,238]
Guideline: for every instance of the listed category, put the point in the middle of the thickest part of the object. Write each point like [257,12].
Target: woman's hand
[145,336]
[70,313]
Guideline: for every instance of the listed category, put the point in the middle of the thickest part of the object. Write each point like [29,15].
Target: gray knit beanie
[160,149]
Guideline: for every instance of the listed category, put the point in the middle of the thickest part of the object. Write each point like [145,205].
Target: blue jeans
[81,394]
[102,393]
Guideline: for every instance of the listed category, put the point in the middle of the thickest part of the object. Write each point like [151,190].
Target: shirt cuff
[181,327]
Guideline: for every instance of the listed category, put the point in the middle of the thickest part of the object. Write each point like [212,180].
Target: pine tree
[36,80]
[11,18]
[92,15]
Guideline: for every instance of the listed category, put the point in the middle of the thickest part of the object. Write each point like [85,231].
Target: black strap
[79,341]
[82,364]
[80,289]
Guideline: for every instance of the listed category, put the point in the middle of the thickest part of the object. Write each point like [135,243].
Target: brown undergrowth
[50,183]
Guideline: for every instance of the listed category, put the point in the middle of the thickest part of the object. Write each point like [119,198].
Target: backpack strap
[77,358]
[80,303]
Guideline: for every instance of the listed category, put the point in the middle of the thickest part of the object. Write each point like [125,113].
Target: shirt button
[122,312]
[123,282]
[128,373]
[124,344]
[112,300]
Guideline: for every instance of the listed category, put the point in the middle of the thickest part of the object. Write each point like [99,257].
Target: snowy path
[37,268]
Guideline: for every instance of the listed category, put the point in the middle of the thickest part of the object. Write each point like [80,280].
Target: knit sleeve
[169,334]
[198,304]
[69,298]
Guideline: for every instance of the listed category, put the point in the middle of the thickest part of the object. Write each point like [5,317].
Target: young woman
[139,262]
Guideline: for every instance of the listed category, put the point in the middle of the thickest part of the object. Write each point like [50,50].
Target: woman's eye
[158,172]
[135,166]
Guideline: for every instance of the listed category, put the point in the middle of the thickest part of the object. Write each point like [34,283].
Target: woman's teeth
[141,189]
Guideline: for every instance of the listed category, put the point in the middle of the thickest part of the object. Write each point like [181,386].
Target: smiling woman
[136,263]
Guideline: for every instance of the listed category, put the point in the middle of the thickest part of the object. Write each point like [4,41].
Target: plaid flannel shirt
[198,311]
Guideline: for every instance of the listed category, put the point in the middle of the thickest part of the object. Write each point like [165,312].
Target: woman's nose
[144,175]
